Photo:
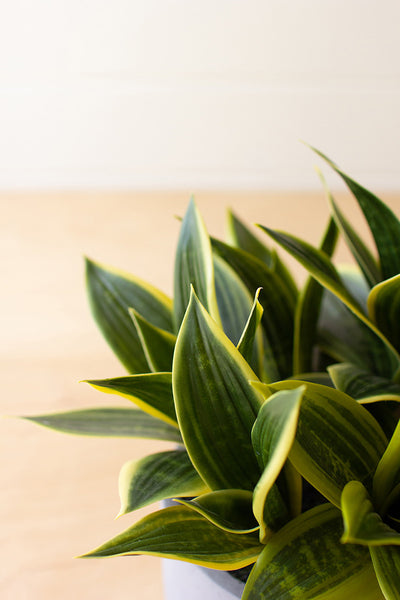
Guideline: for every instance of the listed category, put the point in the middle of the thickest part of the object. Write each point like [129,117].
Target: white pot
[185,581]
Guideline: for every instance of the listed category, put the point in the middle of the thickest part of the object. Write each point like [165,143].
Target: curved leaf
[156,477]
[111,292]
[184,534]
[215,405]
[230,510]
[307,310]
[250,335]
[272,436]
[193,266]
[278,304]
[384,308]
[362,385]
[337,440]
[386,561]
[383,223]
[109,422]
[306,561]
[152,392]
[362,525]
[323,270]
[157,344]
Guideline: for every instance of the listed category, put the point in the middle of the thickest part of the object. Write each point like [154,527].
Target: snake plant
[281,406]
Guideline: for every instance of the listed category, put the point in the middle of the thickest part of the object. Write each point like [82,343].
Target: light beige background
[58,493]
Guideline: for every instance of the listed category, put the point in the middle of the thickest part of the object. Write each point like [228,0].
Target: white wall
[197,93]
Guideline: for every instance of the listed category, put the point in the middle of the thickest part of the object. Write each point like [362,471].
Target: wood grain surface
[58,493]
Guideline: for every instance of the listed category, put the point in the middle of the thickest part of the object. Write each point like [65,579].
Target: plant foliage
[281,404]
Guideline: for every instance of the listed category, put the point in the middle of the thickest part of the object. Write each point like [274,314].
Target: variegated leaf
[193,266]
[362,525]
[109,422]
[363,385]
[111,292]
[306,561]
[184,534]
[386,561]
[215,404]
[152,392]
[156,477]
[384,308]
[157,344]
[387,474]
[230,510]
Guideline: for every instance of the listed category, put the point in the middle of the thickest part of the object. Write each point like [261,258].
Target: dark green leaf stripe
[184,534]
[193,266]
[337,440]
[111,293]
[109,422]
[308,309]
[278,304]
[386,561]
[230,510]
[387,475]
[306,561]
[157,344]
[152,392]
[215,404]
[156,477]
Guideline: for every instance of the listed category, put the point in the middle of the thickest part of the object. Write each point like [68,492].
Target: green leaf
[362,385]
[357,247]
[278,304]
[386,561]
[157,344]
[384,308]
[111,292]
[241,237]
[184,534]
[387,474]
[230,510]
[249,335]
[215,404]
[109,422]
[322,269]
[383,223]
[273,435]
[305,561]
[156,477]
[152,392]
[337,440]
[193,266]
[362,525]
[308,309]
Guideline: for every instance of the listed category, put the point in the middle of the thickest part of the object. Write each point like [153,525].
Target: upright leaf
[184,534]
[383,223]
[307,310]
[387,474]
[250,344]
[278,304]
[273,435]
[215,404]
[111,293]
[156,477]
[305,560]
[193,266]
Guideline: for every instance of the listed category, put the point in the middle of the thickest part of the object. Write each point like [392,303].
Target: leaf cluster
[281,404]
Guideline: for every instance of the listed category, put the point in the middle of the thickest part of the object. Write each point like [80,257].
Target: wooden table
[58,493]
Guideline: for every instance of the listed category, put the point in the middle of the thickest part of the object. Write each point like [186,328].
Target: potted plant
[281,406]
